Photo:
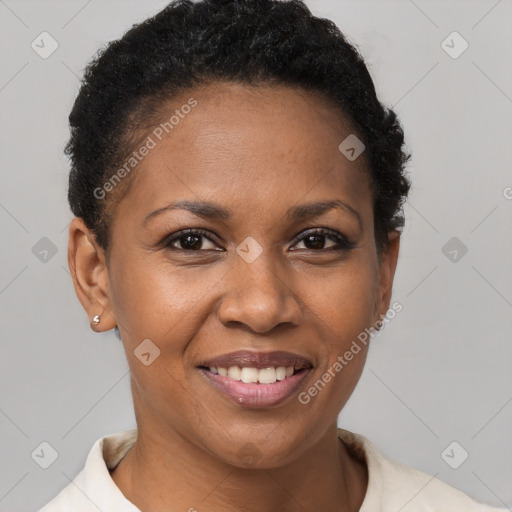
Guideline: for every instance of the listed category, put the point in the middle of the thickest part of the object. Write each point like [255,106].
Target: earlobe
[387,267]
[90,276]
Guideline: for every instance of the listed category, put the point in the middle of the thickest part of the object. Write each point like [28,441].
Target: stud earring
[96,320]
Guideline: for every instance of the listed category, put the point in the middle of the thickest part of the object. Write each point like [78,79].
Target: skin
[257,152]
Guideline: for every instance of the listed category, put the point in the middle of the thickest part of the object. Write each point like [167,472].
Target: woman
[237,188]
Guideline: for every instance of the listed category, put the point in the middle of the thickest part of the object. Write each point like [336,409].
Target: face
[220,258]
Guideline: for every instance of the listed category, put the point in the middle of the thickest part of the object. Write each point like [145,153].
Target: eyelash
[342,244]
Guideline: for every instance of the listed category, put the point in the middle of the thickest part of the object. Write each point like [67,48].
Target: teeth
[281,373]
[234,372]
[267,376]
[248,375]
[253,375]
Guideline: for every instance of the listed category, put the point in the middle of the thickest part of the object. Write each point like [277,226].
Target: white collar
[391,486]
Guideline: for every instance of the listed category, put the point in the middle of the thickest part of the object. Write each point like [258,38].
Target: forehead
[247,146]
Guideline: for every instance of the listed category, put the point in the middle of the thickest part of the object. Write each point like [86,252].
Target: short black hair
[257,42]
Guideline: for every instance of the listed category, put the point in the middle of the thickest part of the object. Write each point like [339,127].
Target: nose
[257,295]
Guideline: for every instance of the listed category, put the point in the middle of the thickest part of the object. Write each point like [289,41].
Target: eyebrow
[210,210]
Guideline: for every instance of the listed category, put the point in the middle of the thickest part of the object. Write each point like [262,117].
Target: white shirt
[392,486]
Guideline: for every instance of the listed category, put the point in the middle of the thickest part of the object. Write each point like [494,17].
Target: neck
[159,471]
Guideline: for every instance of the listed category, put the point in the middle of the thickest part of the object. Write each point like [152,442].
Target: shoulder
[393,486]
[93,488]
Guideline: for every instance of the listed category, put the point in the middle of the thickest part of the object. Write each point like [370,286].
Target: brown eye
[190,240]
[316,240]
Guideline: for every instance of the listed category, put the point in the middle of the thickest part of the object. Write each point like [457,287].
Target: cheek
[159,301]
[353,303]
[342,307]
[343,300]
[162,304]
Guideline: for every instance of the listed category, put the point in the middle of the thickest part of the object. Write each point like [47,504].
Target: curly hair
[255,42]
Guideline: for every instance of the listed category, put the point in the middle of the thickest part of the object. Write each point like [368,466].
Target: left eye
[316,240]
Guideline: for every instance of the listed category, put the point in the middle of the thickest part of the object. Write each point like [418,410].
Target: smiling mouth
[256,379]
[250,375]
[255,394]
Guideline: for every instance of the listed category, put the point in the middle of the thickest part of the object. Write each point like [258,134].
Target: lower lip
[254,395]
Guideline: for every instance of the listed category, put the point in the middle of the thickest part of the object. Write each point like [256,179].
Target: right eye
[190,240]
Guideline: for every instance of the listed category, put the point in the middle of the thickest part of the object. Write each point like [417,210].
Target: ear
[387,266]
[89,271]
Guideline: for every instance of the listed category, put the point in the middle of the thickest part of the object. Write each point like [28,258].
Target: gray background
[440,372]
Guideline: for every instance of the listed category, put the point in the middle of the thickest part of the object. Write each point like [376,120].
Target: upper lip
[259,360]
